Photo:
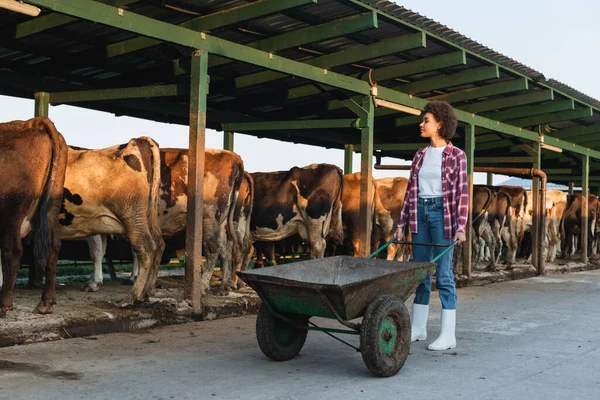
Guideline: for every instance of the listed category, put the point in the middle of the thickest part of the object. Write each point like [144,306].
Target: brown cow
[114,191]
[351,212]
[33,160]
[388,205]
[518,205]
[307,201]
[570,224]
[223,176]
[241,223]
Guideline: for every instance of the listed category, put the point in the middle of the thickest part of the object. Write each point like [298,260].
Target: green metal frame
[510,102]
[228,140]
[297,124]
[145,26]
[348,154]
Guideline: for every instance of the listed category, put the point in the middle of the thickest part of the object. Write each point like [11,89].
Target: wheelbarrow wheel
[385,336]
[278,339]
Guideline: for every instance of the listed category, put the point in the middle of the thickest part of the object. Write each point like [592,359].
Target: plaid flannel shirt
[454,187]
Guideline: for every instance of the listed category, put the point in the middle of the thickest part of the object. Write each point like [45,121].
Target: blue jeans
[430,227]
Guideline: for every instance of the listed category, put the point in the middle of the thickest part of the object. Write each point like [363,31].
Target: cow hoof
[3,311]
[44,307]
[490,268]
[91,286]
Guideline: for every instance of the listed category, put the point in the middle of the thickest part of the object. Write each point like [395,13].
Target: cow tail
[231,234]
[154,181]
[52,194]
[338,231]
[485,206]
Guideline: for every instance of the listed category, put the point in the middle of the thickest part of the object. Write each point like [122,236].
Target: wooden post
[490,179]
[193,289]
[536,244]
[42,103]
[585,184]
[366,176]
[348,152]
[468,246]
[228,141]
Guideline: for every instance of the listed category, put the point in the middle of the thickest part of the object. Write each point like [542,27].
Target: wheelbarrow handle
[448,247]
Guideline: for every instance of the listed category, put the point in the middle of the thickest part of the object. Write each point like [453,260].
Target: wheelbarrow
[342,288]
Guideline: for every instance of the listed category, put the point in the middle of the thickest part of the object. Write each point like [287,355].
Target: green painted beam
[312,34]
[121,93]
[53,20]
[419,66]
[503,160]
[348,154]
[383,48]
[228,140]
[142,25]
[303,36]
[521,112]
[509,102]
[553,117]
[394,146]
[491,72]
[576,131]
[298,124]
[445,81]
[226,17]
[349,56]
[514,85]
[41,104]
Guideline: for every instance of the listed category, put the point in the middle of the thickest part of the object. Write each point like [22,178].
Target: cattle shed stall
[344,74]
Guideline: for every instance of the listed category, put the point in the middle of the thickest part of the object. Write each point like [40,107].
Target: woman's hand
[399,235]
[460,237]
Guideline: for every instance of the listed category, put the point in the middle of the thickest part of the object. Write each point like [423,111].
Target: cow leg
[145,249]
[488,237]
[211,249]
[11,252]
[97,245]
[159,246]
[269,252]
[226,248]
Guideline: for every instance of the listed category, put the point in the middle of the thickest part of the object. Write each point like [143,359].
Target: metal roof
[58,53]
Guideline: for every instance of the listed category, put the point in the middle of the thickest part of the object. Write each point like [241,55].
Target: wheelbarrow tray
[347,284]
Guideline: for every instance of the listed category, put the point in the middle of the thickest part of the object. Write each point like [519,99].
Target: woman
[436,208]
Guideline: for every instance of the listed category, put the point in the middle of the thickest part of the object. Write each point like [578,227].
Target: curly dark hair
[444,114]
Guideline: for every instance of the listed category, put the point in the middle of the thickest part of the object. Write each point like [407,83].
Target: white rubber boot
[447,338]
[420,313]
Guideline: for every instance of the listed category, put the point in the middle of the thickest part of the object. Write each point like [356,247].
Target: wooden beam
[366,174]
[296,124]
[468,245]
[514,85]
[509,102]
[529,111]
[228,140]
[120,93]
[193,287]
[348,153]
[226,17]
[577,113]
[41,103]
[585,184]
[445,81]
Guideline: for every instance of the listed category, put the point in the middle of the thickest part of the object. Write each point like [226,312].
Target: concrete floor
[534,338]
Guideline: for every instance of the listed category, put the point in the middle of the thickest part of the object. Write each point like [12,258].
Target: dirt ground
[79,313]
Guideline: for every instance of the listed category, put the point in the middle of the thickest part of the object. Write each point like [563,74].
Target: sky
[555,38]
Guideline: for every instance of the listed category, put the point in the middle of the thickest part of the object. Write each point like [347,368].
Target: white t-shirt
[430,174]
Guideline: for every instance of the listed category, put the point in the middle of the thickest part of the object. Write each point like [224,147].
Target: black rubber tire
[277,339]
[385,336]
